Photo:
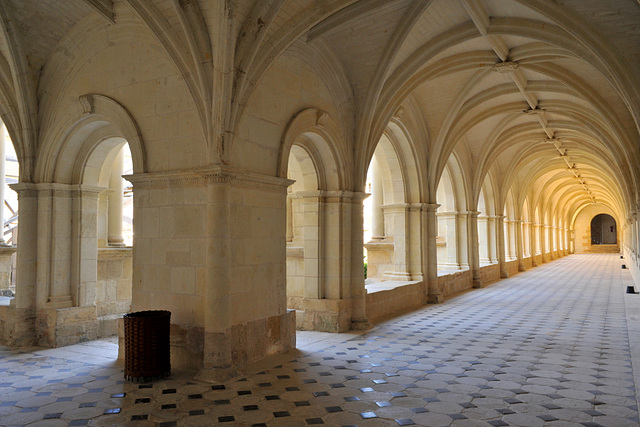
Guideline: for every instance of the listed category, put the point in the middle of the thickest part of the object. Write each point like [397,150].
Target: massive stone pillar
[211,248]
[499,226]
[116,201]
[434,293]
[474,254]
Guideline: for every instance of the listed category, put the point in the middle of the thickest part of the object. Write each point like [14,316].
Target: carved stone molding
[506,67]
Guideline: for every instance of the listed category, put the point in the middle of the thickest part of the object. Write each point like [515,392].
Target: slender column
[358,292]
[509,239]
[3,132]
[519,245]
[447,223]
[84,244]
[434,294]
[289,216]
[492,239]
[116,201]
[462,240]
[474,254]
[26,257]
[548,231]
[312,218]
[542,242]
[499,225]
[377,217]
[483,239]
[533,240]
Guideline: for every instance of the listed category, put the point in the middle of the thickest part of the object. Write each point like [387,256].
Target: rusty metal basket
[147,347]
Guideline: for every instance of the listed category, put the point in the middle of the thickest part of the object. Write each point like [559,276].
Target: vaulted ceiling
[544,94]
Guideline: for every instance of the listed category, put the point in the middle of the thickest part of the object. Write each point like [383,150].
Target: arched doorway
[604,230]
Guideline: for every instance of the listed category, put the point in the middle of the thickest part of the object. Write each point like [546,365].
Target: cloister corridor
[558,345]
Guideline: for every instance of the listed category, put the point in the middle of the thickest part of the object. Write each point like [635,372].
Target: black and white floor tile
[549,347]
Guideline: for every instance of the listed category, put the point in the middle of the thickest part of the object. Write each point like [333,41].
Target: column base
[18,326]
[521,266]
[503,273]
[59,327]
[220,355]
[434,298]
[360,325]
[477,283]
[325,315]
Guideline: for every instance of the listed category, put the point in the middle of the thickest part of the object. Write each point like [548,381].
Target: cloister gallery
[480,138]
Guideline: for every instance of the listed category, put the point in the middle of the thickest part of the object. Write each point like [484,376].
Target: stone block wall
[454,283]
[113,287]
[489,273]
[385,303]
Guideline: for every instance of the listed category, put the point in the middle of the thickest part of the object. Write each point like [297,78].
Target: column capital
[25,189]
[430,207]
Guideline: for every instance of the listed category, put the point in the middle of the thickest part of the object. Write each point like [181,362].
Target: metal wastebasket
[147,351]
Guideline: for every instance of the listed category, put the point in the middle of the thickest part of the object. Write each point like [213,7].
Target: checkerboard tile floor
[547,347]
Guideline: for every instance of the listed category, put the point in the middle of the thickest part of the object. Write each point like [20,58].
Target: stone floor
[547,347]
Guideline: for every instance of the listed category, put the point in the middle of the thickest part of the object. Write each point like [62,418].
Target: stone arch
[68,150]
[71,177]
[316,130]
[604,230]
[395,194]
[310,155]
[487,223]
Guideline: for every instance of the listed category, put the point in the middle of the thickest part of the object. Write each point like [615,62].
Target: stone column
[84,273]
[533,241]
[25,302]
[448,222]
[358,293]
[519,244]
[548,236]
[377,201]
[509,239]
[462,240]
[399,221]
[289,216]
[474,254]
[483,239]
[541,241]
[3,132]
[434,294]
[499,225]
[116,200]
[54,245]
[492,239]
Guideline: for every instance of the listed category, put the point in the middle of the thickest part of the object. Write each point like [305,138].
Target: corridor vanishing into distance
[550,346]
